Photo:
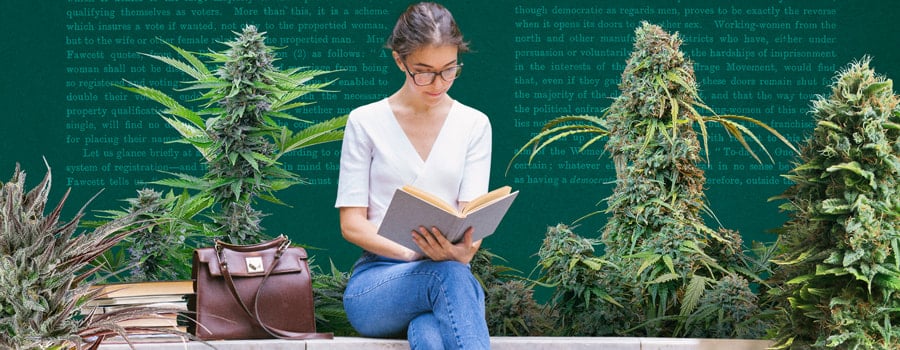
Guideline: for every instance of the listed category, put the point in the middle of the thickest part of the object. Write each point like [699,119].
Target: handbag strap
[276,242]
[275,332]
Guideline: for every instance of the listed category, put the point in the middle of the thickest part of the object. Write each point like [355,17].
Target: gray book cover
[408,212]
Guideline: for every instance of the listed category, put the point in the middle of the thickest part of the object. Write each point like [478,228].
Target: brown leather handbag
[253,292]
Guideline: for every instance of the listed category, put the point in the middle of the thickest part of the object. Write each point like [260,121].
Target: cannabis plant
[237,130]
[664,266]
[328,292]
[570,265]
[510,307]
[838,272]
[44,265]
[166,233]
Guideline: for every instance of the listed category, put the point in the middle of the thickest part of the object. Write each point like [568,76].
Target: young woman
[422,137]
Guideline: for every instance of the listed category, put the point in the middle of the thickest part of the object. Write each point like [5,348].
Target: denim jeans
[439,305]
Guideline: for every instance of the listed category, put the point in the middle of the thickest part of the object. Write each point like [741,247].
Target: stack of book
[169,295]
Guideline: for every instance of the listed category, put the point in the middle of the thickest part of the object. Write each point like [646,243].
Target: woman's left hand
[438,248]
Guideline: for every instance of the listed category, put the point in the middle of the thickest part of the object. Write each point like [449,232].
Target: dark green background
[34,100]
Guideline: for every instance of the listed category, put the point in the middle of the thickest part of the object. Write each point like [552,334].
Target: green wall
[533,61]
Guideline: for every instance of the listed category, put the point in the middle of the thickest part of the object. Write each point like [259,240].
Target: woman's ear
[398,61]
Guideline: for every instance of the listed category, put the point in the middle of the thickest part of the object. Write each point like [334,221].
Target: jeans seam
[389,279]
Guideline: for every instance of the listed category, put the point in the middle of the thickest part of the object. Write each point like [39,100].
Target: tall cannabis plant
[839,254]
[237,131]
[674,264]
[667,273]
[44,265]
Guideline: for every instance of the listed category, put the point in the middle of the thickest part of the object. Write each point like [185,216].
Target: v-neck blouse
[377,158]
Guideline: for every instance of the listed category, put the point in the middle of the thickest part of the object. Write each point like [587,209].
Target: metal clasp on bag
[282,247]
[254,264]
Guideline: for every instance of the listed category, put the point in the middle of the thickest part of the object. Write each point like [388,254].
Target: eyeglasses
[427,78]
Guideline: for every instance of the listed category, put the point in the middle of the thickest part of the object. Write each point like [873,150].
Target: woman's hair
[423,24]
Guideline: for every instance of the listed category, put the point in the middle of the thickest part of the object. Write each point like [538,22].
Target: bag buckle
[254,264]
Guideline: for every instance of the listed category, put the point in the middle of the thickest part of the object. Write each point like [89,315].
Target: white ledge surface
[497,343]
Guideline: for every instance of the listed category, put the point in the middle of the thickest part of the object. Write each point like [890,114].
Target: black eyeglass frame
[434,75]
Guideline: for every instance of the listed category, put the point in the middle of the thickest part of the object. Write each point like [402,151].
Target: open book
[412,207]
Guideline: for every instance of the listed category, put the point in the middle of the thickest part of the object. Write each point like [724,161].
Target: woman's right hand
[436,247]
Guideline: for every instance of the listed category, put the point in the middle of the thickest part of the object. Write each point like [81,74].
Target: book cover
[160,321]
[120,290]
[141,293]
[411,208]
[147,338]
[104,307]
[165,334]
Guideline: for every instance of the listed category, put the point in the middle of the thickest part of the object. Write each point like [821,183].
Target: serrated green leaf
[179,183]
[887,281]
[830,270]
[855,168]
[173,107]
[695,289]
[647,262]
[829,125]
[800,279]
[271,199]
[835,206]
[593,264]
[194,73]
[890,125]
[895,252]
[664,278]
[796,259]
[560,128]
[875,88]
[853,256]
[669,264]
[834,341]
[191,58]
[250,159]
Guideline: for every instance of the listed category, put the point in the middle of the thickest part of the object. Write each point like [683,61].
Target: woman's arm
[357,229]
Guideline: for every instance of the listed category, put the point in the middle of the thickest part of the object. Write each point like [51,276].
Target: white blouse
[377,158]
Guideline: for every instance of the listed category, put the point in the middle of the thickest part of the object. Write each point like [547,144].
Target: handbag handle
[278,241]
[283,244]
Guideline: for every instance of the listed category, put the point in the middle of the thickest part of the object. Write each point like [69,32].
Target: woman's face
[429,59]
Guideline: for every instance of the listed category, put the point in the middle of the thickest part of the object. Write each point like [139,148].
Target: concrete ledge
[497,343]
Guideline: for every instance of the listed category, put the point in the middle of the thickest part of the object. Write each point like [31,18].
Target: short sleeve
[355,164]
[477,172]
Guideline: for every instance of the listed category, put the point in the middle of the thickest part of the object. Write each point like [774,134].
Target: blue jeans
[439,305]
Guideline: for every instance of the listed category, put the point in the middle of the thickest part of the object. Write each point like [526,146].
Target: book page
[486,199]
[118,290]
[430,198]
